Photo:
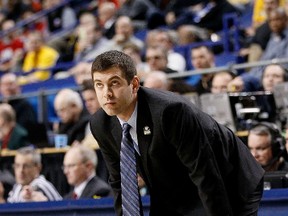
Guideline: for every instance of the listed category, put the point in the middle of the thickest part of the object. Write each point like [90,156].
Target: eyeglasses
[153,57]
[23,166]
[71,166]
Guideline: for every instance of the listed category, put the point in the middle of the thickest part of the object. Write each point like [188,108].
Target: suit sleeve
[111,155]
[193,134]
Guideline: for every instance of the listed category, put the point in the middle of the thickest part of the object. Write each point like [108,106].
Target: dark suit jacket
[75,130]
[96,188]
[18,138]
[188,161]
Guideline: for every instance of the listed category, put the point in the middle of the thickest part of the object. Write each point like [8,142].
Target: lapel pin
[146,130]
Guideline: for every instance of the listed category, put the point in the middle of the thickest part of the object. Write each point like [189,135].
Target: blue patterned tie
[129,184]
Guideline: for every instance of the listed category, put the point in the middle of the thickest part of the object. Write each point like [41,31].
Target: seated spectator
[135,53]
[220,81]
[81,71]
[92,105]
[73,116]
[267,145]
[123,34]
[12,135]
[60,19]
[11,48]
[202,57]
[157,59]
[79,166]
[90,43]
[278,44]
[7,181]
[67,45]
[273,74]
[261,10]
[260,30]
[107,18]
[10,90]
[39,57]
[167,41]
[157,80]
[142,13]
[30,184]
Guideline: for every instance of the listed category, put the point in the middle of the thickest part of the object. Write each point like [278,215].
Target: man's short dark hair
[87,85]
[114,58]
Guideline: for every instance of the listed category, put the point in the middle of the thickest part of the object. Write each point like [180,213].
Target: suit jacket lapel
[87,190]
[116,132]
[144,131]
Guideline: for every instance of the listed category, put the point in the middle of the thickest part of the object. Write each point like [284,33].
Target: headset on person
[277,140]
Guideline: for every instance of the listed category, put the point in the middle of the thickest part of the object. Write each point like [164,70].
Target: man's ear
[135,84]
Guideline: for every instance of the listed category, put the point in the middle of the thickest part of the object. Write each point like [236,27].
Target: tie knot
[126,127]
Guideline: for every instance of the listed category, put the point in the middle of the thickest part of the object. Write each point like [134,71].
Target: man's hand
[31,195]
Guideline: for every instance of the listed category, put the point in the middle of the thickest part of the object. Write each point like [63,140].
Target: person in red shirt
[11,48]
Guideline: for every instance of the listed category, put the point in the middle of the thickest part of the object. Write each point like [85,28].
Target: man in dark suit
[79,167]
[190,163]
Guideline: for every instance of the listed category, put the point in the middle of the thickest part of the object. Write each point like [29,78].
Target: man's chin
[110,112]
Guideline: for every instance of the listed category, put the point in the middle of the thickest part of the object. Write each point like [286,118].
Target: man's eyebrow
[111,78]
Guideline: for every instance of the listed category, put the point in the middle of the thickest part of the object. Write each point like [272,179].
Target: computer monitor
[248,107]
[275,179]
[218,107]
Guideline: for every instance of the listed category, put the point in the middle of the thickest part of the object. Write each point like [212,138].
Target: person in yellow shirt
[38,56]
[262,8]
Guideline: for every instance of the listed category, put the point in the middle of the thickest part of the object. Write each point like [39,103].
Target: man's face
[220,83]
[270,5]
[272,76]
[8,87]
[115,95]
[201,58]
[66,112]
[34,42]
[25,169]
[277,22]
[91,101]
[75,169]
[123,27]
[155,59]
[260,147]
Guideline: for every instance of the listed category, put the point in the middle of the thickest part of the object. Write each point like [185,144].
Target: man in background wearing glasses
[30,185]
[79,166]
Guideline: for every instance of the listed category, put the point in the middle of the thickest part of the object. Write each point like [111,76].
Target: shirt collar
[132,120]
[80,188]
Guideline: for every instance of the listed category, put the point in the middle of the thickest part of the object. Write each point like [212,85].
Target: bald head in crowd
[157,80]
[68,105]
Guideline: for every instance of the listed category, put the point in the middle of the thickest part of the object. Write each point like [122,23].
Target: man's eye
[115,83]
[98,85]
